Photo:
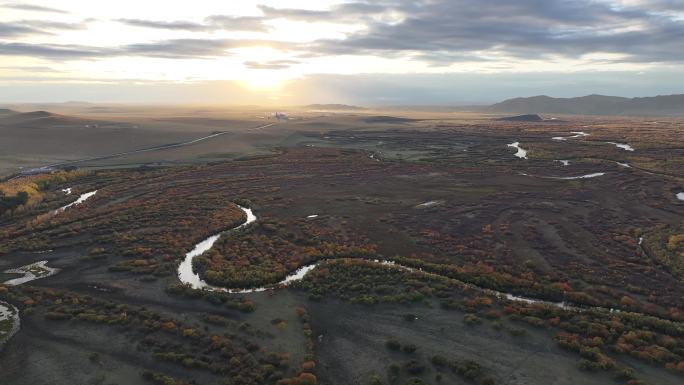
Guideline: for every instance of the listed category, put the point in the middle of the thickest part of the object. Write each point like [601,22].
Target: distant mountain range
[333,107]
[593,105]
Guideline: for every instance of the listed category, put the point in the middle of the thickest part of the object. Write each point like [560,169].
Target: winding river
[185,272]
[187,276]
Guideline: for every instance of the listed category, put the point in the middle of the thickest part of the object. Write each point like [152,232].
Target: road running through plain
[142,150]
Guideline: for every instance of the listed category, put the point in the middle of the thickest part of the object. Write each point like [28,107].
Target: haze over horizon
[394,52]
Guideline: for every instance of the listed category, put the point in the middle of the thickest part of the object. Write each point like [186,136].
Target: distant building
[280,116]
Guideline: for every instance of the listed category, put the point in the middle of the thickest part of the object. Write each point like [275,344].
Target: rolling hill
[593,105]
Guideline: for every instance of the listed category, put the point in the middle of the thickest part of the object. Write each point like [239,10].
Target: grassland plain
[441,193]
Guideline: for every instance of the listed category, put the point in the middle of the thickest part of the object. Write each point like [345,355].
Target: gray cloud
[166,49]
[172,25]
[179,48]
[51,51]
[211,23]
[666,5]
[31,7]
[55,25]
[522,29]
[37,27]
[13,30]
[195,48]
[271,65]
[439,32]
[295,14]
[237,23]
[338,13]
[30,69]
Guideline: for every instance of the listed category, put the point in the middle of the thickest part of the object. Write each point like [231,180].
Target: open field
[587,215]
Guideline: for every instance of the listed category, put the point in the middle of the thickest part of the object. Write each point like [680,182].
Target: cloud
[166,49]
[30,69]
[271,65]
[179,48]
[31,7]
[37,27]
[338,13]
[436,32]
[526,29]
[195,48]
[14,29]
[51,51]
[55,25]
[237,23]
[172,25]
[211,23]
[295,14]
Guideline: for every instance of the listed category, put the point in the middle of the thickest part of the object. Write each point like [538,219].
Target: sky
[382,52]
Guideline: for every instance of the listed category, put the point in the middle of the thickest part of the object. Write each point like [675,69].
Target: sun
[263,80]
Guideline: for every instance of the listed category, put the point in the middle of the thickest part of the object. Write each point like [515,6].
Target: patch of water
[9,321]
[84,197]
[31,272]
[522,154]
[623,146]
[428,204]
[588,176]
[578,134]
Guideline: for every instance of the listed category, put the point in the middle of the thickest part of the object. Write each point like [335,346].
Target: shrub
[393,345]
[306,379]
[374,380]
[471,319]
[414,367]
[409,348]
[439,361]
[468,369]
[625,374]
